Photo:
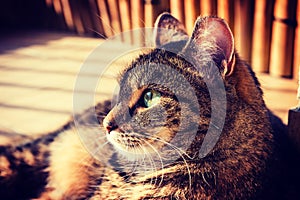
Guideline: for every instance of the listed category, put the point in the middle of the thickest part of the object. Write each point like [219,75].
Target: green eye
[151,98]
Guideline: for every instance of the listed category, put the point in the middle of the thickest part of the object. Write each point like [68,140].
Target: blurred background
[44,42]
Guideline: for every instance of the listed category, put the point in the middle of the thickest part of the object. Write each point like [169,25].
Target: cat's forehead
[151,68]
[159,70]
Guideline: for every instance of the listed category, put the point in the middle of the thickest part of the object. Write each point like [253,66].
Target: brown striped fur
[245,163]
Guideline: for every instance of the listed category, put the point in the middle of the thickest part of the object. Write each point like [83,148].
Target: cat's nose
[110,126]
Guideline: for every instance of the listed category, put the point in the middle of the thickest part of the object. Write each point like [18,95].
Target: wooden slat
[85,16]
[52,20]
[281,50]
[115,20]
[177,9]
[208,7]
[137,16]
[96,21]
[296,64]
[137,13]
[104,16]
[225,10]
[261,35]
[282,38]
[190,14]
[125,20]
[153,9]
[67,12]
[125,13]
[76,17]
[243,18]
[49,3]
[149,9]
[121,15]
[57,6]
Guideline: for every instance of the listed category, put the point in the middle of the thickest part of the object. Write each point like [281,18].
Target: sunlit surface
[38,72]
[37,76]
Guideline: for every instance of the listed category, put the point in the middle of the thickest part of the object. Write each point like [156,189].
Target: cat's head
[165,102]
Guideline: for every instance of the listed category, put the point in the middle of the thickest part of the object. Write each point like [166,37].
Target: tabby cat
[167,136]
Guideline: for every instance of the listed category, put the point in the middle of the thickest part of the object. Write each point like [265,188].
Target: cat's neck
[247,86]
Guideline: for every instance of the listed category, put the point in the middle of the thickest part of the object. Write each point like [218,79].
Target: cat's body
[245,162]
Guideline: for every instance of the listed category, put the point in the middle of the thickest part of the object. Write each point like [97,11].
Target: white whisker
[107,25]
[180,153]
[160,159]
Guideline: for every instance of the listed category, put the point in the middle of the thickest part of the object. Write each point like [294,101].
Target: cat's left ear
[168,29]
[213,35]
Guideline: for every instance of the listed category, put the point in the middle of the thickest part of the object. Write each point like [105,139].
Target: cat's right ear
[212,37]
[168,29]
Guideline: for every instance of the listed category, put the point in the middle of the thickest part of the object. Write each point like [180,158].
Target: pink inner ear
[220,31]
[216,32]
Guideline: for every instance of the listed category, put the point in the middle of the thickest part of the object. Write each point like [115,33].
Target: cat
[153,142]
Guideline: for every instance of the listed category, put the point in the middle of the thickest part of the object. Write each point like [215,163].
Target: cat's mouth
[135,146]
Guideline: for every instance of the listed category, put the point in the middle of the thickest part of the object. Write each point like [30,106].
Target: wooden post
[150,10]
[137,16]
[67,14]
[104,16]
[190,14]
[225,10]
[125,14]
[84,11]
[126,20]
[208,7]
[294,121]
[282,38]
[243,18]
[297,45]
[57,6]
[79,26]
[261,36]
[177,9]
[153,8]
[115,19]
[97,25]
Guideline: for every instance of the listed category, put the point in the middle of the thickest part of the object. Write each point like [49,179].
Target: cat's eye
[151,98]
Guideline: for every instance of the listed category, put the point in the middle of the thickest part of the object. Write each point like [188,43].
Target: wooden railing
[266,32]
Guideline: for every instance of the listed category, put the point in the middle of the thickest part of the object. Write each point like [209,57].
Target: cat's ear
[212,34]
[168,29]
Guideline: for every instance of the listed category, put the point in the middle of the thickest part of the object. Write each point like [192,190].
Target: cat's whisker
[98,33]
[152,164]
[107,25]
[143,22]
[160,159]
[171,145]
[98,148]
[180,153]
[129,175]
[148,155]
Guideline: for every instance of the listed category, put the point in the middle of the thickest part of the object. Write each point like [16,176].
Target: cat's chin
[129,151]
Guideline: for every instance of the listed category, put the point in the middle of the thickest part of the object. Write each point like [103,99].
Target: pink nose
[110,126]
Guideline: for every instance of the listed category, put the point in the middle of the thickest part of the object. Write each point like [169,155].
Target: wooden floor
[38,72]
